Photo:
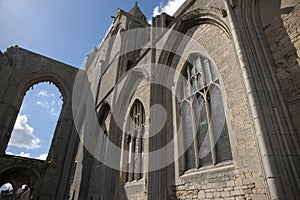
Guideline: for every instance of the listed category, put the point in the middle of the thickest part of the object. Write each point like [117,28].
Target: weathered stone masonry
[255,48]
[286,53]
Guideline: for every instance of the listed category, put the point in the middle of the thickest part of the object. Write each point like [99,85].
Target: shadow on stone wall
[282,32]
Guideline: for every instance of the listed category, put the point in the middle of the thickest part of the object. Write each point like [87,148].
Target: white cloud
[43,104]
[48,101]
[44,93]
[157,11]
[170,8]
[23,154]
[50,106]
[42,156]
[22,134]
[53,112]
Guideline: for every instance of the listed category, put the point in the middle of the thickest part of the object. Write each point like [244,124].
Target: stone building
[204,104]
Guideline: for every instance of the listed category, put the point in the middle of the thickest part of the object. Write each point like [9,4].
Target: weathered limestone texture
[285,50]
[226,79]
[20,69]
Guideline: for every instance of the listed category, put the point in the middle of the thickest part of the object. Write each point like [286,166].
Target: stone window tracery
[134,144]
[204,126]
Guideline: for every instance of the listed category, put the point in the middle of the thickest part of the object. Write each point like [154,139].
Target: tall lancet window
[204,126]
[133,142]
[104,122]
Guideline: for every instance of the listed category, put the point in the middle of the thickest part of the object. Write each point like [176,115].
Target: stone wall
[19,70]
[134,190]
[283,35]
[219,184]
[245,176]
[241,178]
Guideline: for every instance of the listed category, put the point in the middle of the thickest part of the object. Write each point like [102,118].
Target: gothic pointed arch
[133,143]
[104,117]
[202,116]
[25,69]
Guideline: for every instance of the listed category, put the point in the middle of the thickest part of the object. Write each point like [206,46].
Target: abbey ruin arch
[253,45]
[24,69]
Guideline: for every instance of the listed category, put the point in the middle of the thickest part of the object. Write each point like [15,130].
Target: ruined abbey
[204,104]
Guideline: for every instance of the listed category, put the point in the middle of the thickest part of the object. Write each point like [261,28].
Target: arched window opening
[204,126]
[104,122]
[23,192]
[6,191]
[35,124]
[134,143]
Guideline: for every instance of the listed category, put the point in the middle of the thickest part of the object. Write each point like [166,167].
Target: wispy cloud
[44,104]
[22,134]
[170,8]
[44,93]
[53,112]
[22,154]
[48,101]
[42,156]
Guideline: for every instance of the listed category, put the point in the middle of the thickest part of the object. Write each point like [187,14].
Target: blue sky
[65,30]
[36,122]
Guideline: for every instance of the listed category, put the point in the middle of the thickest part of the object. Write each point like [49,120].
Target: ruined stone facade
[250,52]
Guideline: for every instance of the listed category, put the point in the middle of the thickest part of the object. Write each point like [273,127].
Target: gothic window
[134,142]
[204,126]
[104,121]
[35,124]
